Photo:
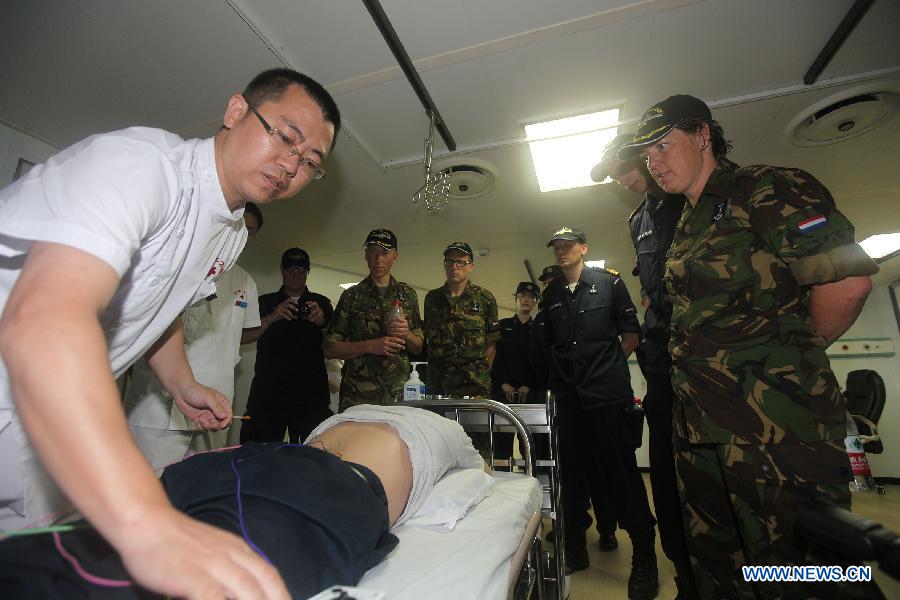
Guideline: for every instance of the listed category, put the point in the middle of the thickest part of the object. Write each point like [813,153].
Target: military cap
[609,157]
[550,272]
[382,237]
[460,247]
[527,287]
[295,258]
[661,118]
[568,233]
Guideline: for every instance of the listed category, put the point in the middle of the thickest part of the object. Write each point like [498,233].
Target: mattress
[472,561]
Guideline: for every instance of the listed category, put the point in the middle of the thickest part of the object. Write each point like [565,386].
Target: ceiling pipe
[837,38]
[393,42]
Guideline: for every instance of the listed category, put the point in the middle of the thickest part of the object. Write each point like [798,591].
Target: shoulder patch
[812,223]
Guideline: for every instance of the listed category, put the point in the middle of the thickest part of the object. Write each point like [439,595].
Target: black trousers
[320,521]
[604,439]
[663,481]
[269,423]
[591,490]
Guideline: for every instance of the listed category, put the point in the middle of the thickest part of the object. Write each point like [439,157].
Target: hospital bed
[496,551]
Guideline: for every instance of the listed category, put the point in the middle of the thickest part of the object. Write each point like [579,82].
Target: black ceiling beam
[840,34]
[393,42]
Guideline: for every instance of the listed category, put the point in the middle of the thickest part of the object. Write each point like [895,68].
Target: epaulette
[758,171]
[613,271]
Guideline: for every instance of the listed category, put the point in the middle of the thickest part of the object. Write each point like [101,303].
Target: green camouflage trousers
[739,502]
[459,380]
[368,393]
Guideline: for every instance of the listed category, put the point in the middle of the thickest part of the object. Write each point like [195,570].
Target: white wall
[15,145]
[877,322]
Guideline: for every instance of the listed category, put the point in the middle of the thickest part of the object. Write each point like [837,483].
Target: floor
[607,576]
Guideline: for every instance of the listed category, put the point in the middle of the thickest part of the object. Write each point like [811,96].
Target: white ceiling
[69,68]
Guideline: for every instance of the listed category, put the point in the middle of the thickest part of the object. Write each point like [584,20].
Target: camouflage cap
[609,158]
[661,118]
[568,233]
[550,272]
[382,237]
[460,247]
[527,287]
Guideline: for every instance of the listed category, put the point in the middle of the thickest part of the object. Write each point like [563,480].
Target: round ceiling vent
[469,180]
[838,120]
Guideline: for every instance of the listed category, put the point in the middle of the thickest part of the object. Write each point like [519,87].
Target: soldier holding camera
[290,384]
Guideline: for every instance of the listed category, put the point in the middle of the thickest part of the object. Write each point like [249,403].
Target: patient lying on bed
[320,512]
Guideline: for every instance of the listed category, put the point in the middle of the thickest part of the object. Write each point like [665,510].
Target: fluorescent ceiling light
[347,286]
[565,150]
[881,245]
[599,264]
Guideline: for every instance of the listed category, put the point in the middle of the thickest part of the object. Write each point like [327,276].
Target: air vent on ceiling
[469,181]
[844,118]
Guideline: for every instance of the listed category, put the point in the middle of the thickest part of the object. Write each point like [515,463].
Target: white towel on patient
[436,444]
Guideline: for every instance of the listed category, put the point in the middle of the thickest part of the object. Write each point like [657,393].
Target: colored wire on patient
[240,507]
[90,578]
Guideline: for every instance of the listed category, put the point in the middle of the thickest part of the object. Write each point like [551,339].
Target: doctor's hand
[170,553]
[208,409]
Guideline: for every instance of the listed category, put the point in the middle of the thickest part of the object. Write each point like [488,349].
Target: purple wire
[240,503]
[240,506]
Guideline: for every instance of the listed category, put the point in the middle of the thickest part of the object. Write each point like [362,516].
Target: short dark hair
[271,85]
[254,210]
[720,146]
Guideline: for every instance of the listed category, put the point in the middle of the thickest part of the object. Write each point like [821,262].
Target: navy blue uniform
[652,229]
[290,383]
[589,375]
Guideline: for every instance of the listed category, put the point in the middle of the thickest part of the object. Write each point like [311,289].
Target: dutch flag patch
[812,223]
[240,303]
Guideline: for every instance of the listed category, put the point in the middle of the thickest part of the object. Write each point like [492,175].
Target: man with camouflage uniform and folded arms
[763,274]
[375,349]
[461,330]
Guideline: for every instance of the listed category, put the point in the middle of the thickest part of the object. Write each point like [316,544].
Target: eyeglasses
[449,262]
[286,146]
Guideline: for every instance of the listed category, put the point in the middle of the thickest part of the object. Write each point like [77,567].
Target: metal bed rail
[477,415]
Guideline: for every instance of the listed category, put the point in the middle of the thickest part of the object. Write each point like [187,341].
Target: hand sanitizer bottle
[414,389]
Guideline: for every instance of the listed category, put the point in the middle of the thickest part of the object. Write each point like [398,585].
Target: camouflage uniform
[758,415]
[360,315]
[457,334]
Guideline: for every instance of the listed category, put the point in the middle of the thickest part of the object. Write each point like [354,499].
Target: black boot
[643,584]
[576,554]
[608,541]
[684,581]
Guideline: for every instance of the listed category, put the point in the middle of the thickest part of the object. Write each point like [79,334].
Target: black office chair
[865,402]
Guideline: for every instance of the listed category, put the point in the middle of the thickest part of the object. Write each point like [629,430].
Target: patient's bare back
[379,447]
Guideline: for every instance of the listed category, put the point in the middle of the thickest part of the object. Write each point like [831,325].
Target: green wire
[39,530]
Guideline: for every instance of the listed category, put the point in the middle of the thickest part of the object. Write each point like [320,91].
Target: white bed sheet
[472,561]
